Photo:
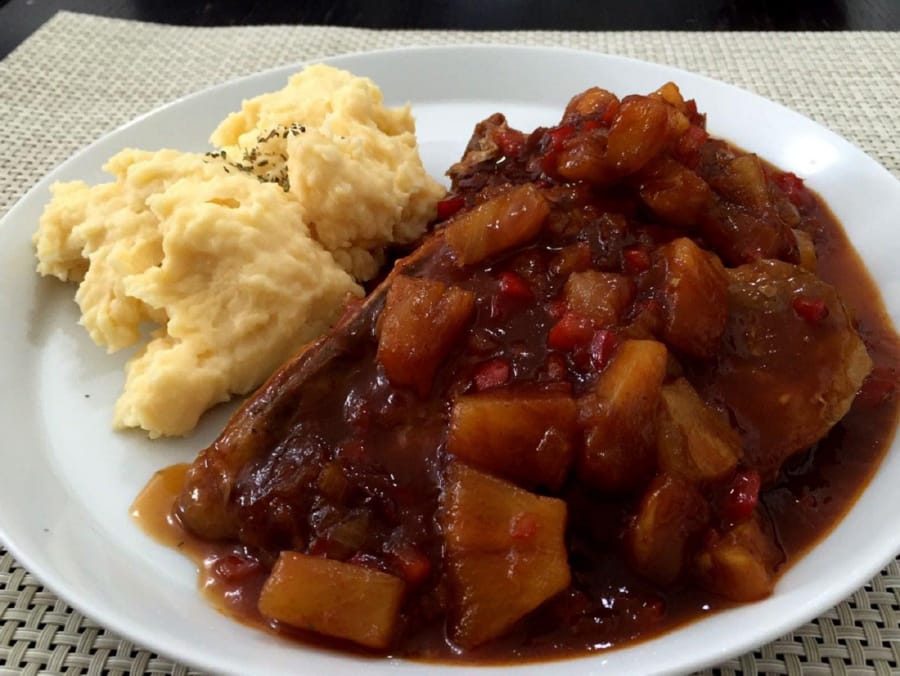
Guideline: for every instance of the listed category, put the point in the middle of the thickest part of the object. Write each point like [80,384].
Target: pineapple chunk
[672,511]
[674,193]
[508,220]
[739,564]
[333,598]
[743,182]
[693,441]
[504,550]
[696,291]
[619,418]
[602,297]
[589,103]
[524,436]
[671,94]
[806,250]
[638,134]
[421,320]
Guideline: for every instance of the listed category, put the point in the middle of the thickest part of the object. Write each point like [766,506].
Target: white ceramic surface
[67,480]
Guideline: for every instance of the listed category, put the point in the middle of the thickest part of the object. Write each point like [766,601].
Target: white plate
[67,480]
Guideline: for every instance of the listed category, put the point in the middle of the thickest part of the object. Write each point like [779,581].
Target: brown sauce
[153,510]
[815,491]
[354,411]
[229,579]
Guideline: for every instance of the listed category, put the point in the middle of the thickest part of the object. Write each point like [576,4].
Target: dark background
[19,18]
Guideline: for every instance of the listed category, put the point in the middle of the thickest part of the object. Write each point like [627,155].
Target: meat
[791,361]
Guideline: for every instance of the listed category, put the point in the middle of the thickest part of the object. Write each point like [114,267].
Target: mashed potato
[351,162]
[237,259]
[221,261]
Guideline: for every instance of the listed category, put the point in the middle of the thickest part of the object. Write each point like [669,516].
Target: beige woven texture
[79,77]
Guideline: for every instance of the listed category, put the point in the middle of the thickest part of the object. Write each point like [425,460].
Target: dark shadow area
[19,18]
[798,15]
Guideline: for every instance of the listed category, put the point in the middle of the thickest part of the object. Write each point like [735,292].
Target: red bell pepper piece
[812,310]
[558,136]
[513,286]
[448,206]
[491,373]
[635,260]
[742,497]
[570,332]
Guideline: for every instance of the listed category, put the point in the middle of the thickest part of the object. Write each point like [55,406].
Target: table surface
[19,18]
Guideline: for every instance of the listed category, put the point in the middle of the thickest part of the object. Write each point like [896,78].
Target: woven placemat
[79,77]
